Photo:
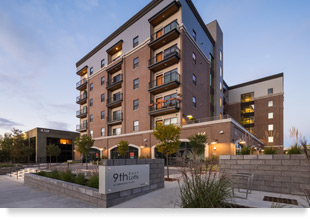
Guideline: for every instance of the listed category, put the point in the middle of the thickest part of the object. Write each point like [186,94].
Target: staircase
[21,173]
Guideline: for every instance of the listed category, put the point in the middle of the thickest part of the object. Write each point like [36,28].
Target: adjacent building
[163,66]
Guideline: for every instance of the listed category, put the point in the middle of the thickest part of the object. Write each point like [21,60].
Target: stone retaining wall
[273,173]
[6,170]
[91,195]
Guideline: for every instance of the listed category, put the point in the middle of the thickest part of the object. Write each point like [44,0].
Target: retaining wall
[91,195]
[288,174]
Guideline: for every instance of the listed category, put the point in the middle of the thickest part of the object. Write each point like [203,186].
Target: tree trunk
[167,157]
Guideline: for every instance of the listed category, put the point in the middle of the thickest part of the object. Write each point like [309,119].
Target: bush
[42,173]
[245,151]
[80,179]
[54,174]
[93,181]
[295,150]
[270,150]
[67,176]
[212,160]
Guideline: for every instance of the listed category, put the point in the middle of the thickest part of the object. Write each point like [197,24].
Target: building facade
[163,66]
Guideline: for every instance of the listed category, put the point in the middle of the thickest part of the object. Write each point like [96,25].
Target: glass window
[136,104]
[249,97]
[91,71]
[117,96]
[170,121]
[136,62]
[194,57]
[117,78]
[270,139]
[136,84]
[102,97]
[194,34]
[270,115]
[221,55]
[270,103]
[270,127]
[174,121]
[91,102]
[270,91]
[91,133]
[221,71]
[91,87]
[136,125]
[116,131]
[194,102]
[102,132]
[102,115]
[221,103]
[116,115]
[136,41]
[194,79]
[102,80]
[102,63]
[91,118]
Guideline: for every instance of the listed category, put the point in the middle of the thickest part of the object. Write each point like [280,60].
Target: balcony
[81,127]
[165,35]
[164,107]
[81,85]
[115,83]
[165,13]
[115,119]
[165,82]
[115,101]
[83,71]
[164,59]
[82,113]
[81,99]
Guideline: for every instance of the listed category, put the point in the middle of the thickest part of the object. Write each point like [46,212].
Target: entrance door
[159,34]
[159,80]
[159,104]
[159,57]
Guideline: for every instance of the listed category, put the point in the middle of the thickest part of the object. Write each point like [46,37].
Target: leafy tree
[19,143]
[28,151]
[168,137]
[123,148]
[197,143]
[52,150]
[6,143]
[84,144]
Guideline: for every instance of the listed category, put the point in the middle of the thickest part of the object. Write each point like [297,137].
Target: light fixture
[189,117]
[116,48]
[142,147]
[242,142]
[101,149]
[213,142]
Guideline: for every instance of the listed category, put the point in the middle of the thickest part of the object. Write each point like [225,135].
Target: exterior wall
[289,174]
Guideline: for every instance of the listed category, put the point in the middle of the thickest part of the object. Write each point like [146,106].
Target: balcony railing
[115,119]
[168,81]
[81,127]
[164,107]
[82,113]
[115,82]
[172,51]
[115,100]
[168,57]
[81,85]
[81,99]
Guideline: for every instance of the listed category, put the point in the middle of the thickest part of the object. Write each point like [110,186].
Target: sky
[41,40]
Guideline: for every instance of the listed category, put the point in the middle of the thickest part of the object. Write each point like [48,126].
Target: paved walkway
[14,194]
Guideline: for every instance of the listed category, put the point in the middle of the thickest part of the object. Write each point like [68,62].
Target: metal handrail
[113,81]
[115,99]
[81,97]
[167,78]
[172,51]
[81,126]
[81,112]
[165,105]
[116,117]
[83,81]
[173,25]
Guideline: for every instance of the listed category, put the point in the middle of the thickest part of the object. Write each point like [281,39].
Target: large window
[170,121]
[136,41]
[116,131]
[136,84]
[249,97]
[102,132]
[136,125]
[136,62]
[102,115]
[136,104]
[102,97]
[102,80]
[116,115]
[270,91]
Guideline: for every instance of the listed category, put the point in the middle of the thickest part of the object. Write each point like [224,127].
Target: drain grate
[281,200]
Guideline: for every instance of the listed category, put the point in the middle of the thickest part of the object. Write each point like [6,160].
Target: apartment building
[163,66]
[258,106]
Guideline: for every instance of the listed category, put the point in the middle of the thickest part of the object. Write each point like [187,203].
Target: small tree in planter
[169,143]
[84,144]
[52,150]
[123,148]
[197,143]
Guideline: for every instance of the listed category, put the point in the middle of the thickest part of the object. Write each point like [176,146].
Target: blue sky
[40,42]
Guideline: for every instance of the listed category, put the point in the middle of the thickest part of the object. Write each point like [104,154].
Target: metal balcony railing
[170,52]
[115,98]
[81,98]
[167,78]
[81,112]
[163,31]
[165,104]
[116,79]
[81,83]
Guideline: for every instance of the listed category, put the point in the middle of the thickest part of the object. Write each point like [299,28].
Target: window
[91,71]
[116,131]
[249,97]
[91,87]
[221,71]
[194,34]
[270,91]
[91,102]
[136,126]
[102,115]
[102,132]
[102,80]
[136,104]
[221,55]
[194,79]
[270,127]
[136,84]
[136,41]
[91,133]
[221,87]
[194,102]
[102,97]
[270,139]
[170,121]
[136,62]
[270,103]
[102,63]
[194,57]
[221,103]
[91,118]
[270,115]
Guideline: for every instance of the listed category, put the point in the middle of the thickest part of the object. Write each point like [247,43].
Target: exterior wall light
[242,142]
[189,117]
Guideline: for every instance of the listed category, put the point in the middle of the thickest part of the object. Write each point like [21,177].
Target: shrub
[93,181]
[42,173]
[245,151]
[80,179]
[67,176]
[270,150]
[212,160]
[294,150]
[54,174]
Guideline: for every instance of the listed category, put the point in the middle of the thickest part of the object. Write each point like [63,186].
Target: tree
[168,137]
[84,144]
[28,151]
[123,148]
[52,150]
[18,144]
[197,143]
[6,143]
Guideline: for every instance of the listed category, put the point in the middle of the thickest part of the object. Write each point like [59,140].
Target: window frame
[102,95]
[134,44]
[102,115]
[135,65]
[270,93]
[136,127]
[91,102]
[136,107]
[270,103]
[103,81]
[102,61]
[270,115]
[194,100]
[135,86]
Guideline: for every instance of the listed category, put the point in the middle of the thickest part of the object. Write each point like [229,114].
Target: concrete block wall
[91,195]
[289,174]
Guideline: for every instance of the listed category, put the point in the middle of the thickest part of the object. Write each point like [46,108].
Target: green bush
[93,181]
[212,160]
[42,173]
[294,150]
[54,174]
[270,150]
[245,151]
[79,179]
[67,176]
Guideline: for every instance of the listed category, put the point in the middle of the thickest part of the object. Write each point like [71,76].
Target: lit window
[270,91]
[91,118]
[102,63]
[91,102]
[91,71]
[221,71]
[102,132]
[102,80]
[270,127]
[194,35]
[170,121]
[136,104]
[270,139]
[194,102]
[102,97]
[221,103]
[136,62]
[136,84]
[91,87]
[221,55]
[194,79]
[221,87]
[116,131]
[136,41]
[270,103]
[102,115]
[194,57]
[136,125]
[270,115]
[91,133]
